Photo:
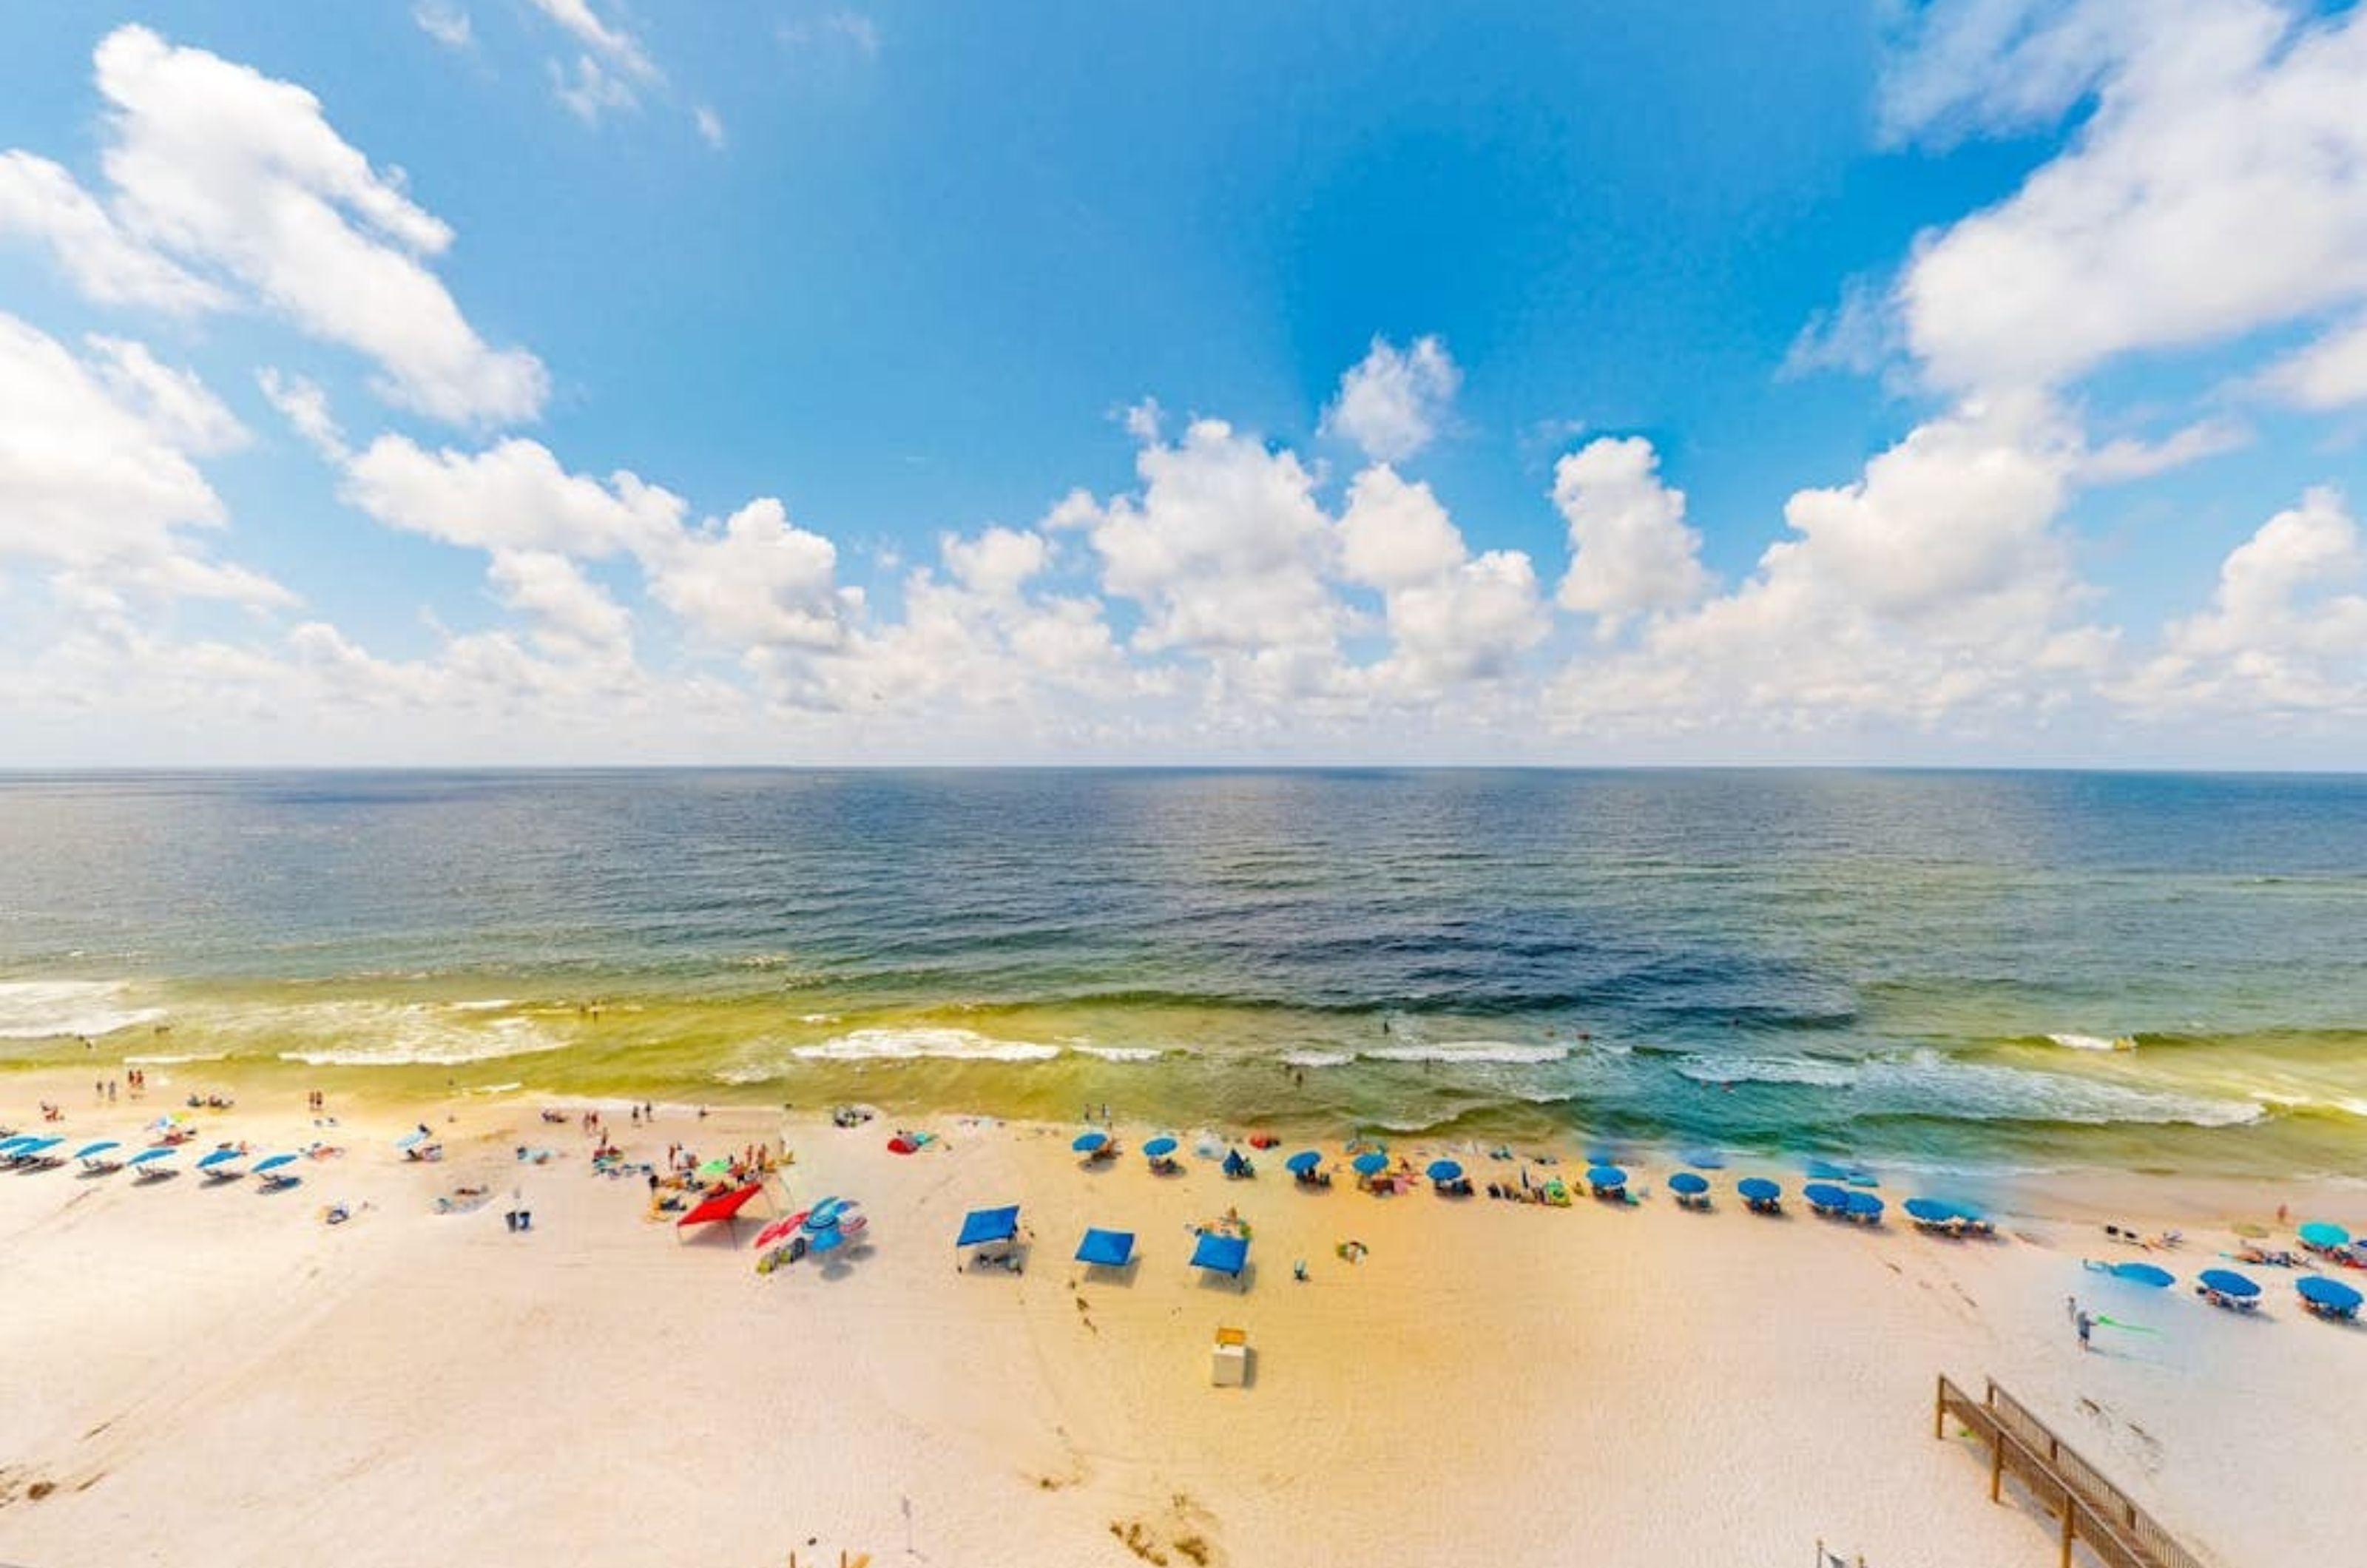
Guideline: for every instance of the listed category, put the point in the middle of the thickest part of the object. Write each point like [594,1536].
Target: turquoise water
[1903,966]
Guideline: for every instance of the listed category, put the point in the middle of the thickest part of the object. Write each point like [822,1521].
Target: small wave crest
[57,1009]
[1317,1058]
[2093,1043]
[1810,1071]
[886,1044]
[1460,1052]
[1121,1053]
[423,1036]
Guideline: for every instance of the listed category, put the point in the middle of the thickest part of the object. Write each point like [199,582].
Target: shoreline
[1637,1382]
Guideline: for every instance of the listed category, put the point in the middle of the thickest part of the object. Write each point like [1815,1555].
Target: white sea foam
[1317,1058]
[1506,1052]
[490,1004]
[425,1036]
[1930,1083]
[1121,1052]
[52,1010]
[174,1061]
[903,1044]
[2087,1042]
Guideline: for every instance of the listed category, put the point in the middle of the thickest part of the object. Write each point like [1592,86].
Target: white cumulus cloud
[1392,402]
[1631,551]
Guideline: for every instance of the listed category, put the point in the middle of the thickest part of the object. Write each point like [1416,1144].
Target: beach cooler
[1230,1363]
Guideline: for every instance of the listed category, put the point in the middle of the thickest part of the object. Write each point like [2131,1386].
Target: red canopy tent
[725,1206]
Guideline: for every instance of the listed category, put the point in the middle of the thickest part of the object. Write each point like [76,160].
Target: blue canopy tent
[1865,1206]
[1221,1254]
[1444,1170]
[1685,1183]
[1303,1161]
[1372,1162]
[1106,1249]
[1760,1193]
[1826,1198]
[2327,1298]
[981,1226]
[2143,1274]
[1089,1143]
[2225,1287]
[2319,1233]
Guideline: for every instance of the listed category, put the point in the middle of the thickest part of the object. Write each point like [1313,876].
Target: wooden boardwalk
[2091,1511]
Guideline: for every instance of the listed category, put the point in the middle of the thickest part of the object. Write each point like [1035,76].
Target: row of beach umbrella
[218,1163]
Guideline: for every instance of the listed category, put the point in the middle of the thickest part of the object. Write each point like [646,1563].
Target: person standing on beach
[2085,1325]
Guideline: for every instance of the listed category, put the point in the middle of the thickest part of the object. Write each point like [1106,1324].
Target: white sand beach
[211,1374]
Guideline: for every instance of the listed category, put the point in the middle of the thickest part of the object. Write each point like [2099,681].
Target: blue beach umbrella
[1302,1162]
[1444,1170]
[1865,1206]
[1086,1143]
[11,1145]
[1686,1183]
[37,1147]
[2227,1282]
[1372,1162]
[218,1159]
[1930,1211]
[825,1241]
[2331,1295]
[1160,1148]
[1758,1190]
[2144,1274]
[1825,1195]
[274,1162]
[151,1156]
[1606,1176]
[99,1147]
[2318,1233]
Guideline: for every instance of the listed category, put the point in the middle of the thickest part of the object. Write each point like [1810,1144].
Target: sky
[1972,382]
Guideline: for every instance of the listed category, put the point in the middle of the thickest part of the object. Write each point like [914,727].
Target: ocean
[1961,970]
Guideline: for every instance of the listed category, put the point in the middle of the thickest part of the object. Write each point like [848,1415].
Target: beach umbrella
[37,1147]
[2144,1274]
[1686,1183]
[218,1159]
[827,1240]
[1372,1162]
[1444,1170]
[1086,1143]
[99,1147]
[1158,1148]
[1606,1176]
[1303,1161]
[150,1156]
[1825,1195]
[274,1162]
[1930,1211]
[1864,1205]
[2318,1233]
[2331,1295]
[1758,1190]
[2227,1282]
[11,1145]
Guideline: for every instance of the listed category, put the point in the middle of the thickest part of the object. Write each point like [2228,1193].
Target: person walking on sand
[2086,1326]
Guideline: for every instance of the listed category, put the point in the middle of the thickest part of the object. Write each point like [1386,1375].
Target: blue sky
[1588,384]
